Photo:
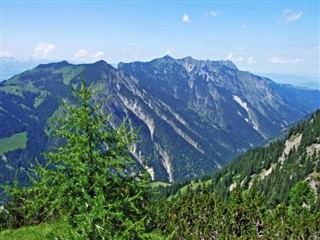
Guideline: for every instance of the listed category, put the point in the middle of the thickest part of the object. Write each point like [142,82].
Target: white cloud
[251,60]
[81,53]
[289,16]
[186,18]
[170,51]
[234,58]
[286,60]
[211,14]
[5,54]
[43,49]
[98,54]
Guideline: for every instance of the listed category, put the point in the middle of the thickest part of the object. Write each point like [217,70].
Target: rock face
[193,115]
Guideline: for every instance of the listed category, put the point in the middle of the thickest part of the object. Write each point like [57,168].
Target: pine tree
[302,197]
[90,180]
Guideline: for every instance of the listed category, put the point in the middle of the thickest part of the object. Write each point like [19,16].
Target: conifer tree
[90,180]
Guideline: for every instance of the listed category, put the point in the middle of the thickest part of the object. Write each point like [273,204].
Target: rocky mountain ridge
[193,115]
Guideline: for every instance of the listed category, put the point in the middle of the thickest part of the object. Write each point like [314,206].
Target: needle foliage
[90,180]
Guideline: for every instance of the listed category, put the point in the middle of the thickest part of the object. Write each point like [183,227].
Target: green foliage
[202,214]
[282,205]
[302,197]
[282,223]
[253,165]
[90,180]
[41,231]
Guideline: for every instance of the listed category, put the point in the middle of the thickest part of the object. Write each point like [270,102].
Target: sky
[265,37]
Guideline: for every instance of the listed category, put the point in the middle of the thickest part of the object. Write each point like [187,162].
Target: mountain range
[193,116]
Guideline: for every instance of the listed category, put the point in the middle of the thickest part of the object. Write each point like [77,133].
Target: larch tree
[90,180]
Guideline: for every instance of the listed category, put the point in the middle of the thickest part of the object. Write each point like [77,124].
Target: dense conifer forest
[242,201]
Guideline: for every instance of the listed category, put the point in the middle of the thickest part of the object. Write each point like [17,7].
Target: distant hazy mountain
[301,81]
[11,66]
[193,115]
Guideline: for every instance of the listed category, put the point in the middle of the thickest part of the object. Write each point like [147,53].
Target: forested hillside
[277,167]
[274,168]
[269,192]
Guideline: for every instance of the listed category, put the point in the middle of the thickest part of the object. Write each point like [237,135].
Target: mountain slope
[193,115]
[275,169]
[270,192]
[227,97]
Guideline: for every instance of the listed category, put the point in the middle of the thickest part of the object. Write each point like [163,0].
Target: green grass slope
[56,230]
[16,141]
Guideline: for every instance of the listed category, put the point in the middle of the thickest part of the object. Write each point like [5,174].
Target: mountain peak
[63,63]
[164,60]
[99,65]
[229,64]
[188,59]
[168,58]
[102,62]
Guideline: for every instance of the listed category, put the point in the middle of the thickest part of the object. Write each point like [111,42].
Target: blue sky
[276,37]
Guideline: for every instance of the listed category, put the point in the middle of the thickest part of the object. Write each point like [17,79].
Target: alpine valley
[193,116]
